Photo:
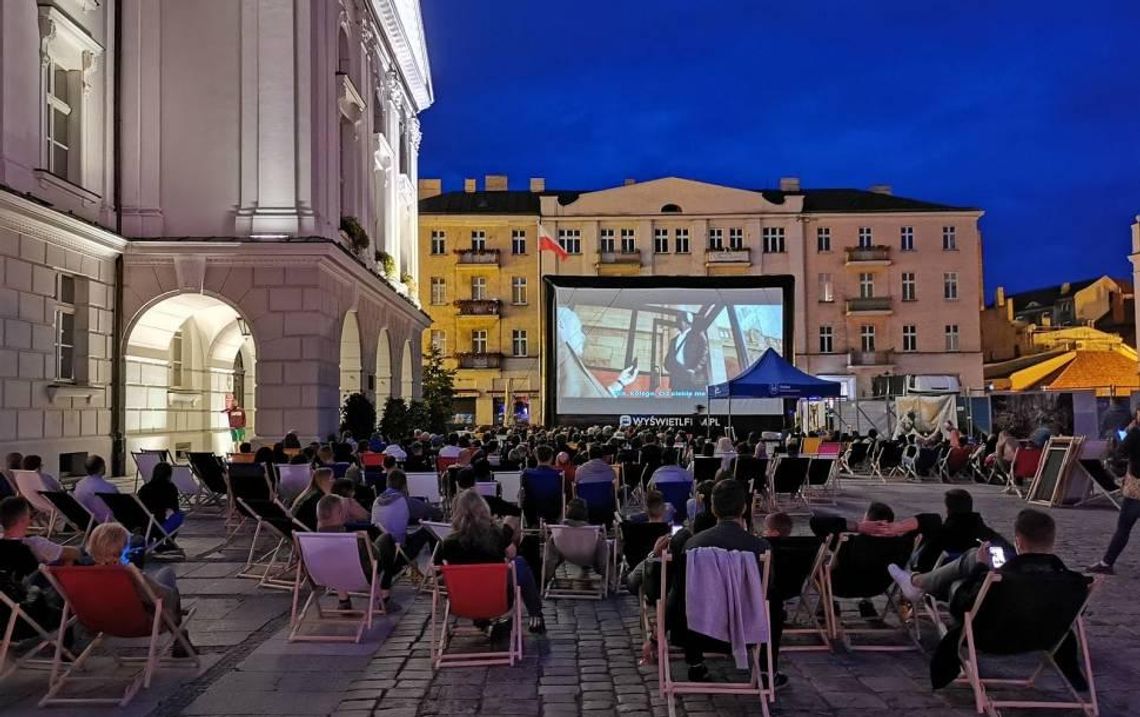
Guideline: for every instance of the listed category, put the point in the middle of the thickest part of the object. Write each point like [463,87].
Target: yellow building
[884,285]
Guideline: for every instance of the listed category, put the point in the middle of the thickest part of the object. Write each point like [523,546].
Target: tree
[394,424]
[418,415]
[438,392]
[358,416]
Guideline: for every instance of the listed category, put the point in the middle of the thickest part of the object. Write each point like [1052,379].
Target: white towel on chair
[724,599]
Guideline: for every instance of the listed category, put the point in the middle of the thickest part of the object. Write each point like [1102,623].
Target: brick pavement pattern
[586,664]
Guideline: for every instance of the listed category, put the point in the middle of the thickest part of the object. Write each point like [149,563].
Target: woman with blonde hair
[476,538]
[304,507]
[107,545]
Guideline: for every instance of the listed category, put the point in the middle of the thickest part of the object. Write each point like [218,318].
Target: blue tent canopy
[773,377]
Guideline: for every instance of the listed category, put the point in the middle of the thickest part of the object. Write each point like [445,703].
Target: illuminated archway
[383,368]
[406,382]
[350,360]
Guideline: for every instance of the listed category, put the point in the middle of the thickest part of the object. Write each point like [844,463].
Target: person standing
[1130,501]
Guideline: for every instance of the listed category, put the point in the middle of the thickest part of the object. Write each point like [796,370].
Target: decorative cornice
[417,78]
[393,89]
[35,220]
[414,133]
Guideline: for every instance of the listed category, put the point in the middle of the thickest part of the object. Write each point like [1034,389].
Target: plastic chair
[292,480]
[475,592]
[112,601]
[332,562]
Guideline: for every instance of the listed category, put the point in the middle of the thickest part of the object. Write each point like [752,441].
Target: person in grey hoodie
[395,512]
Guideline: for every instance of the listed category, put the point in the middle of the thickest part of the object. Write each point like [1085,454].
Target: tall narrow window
[176,374]
[628,241]
[438,291]
[606,241]
[519,343]
[681,241]
[570,240]
[478,288]
[951,337]
[867,337]
[906,239]
[826,343]
[823,239]
[949,238]
[65,328]
[438,242]
[518,290]
[439,340]
[910,338]
[826,288]
[716,239]
[866,238]
[479,341]
[773,240]
[478,240]
[518,241]
[239,379]
[909,292]
[61,131]
[866,286]
[950,285]
[660,241]
[736,238]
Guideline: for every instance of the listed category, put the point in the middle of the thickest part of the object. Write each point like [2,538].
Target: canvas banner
[924,414]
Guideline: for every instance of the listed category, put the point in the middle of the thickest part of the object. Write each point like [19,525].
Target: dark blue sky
[1029,110]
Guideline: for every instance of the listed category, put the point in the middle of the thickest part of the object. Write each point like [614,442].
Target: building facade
[884,285]
[204,205]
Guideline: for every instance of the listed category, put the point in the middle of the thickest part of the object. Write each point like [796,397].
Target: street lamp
[243,327]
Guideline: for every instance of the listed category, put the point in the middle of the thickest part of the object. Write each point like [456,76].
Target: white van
[932,383]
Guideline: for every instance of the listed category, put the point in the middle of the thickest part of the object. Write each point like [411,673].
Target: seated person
[480,472]
[777,525]
[333,517]
[541,489]
[959,531]
[872,550]
[594,470]
[656,509]
[357,497]
[577,516]
[701,501]
[15,521]
[476,538]
[20,557]
[160,496]
[417,462]
[729,502]
[304,506]
[395,511]
[106,545]
[670,472]
[86,489]
[35,463]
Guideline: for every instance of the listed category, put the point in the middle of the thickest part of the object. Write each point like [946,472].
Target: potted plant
[388,262]
[357,237]
[409,281]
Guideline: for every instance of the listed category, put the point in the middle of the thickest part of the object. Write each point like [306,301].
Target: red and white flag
[547,243]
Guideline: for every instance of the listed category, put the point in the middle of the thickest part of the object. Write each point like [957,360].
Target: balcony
[870,358]
[478,307]
[478,257]
[728,257]
[479,360]
[869,256]
[619,262]
[870,306]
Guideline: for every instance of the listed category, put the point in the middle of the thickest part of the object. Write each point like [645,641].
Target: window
[716,239]
[439,340]
[906,239]
[866,238]
[866,286]
[736,238]
[478,288]
[176,376]
[867,337]
[951,337]
[826,344]
[628,241]
[518,241]
[478,240]
[949,238]
[438,291]
[910,338]
[908,286]
[518,290]
[479,341]
[823,239]
[518,343]
[826,288]
[570,240]
[61,128]
[660,241]
[606,241]
[65,328]
[681,241]
[438,242]
[773,240]
[950,286]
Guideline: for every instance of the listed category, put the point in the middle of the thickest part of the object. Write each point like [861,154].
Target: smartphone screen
[997,557]
[676,529]
[125,556]
[1121,433]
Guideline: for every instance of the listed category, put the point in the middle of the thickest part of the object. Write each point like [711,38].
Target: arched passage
[188,358]
[406,381]
[350,361]
[383,369]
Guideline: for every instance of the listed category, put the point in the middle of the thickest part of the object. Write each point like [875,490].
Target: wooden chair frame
[554,589]
[362,619]
[443,629]
[809,608]
[265,568]
[841,632]
[44,638]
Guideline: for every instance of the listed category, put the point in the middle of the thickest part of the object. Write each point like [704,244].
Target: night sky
[1028,110]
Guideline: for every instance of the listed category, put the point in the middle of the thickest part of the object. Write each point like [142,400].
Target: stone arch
[384,382]
[351,366]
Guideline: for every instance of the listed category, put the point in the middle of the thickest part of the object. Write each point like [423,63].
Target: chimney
[1065,288]
[430,188]
[537,184]
[789,184]
[628,181]
[999,296]
[880,189]
[469,185]
[495,183]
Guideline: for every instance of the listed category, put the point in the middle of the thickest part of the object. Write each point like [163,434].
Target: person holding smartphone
[1129,449]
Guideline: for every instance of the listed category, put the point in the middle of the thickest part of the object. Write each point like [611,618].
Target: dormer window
[671,209]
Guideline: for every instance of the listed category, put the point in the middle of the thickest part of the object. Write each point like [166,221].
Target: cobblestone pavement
[587,662]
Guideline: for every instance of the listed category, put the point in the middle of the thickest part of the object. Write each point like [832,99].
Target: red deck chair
[442,464]
[114,601]
[1024,469]
[474,592]
[372,460]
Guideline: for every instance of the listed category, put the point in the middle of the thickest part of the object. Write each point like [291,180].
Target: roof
[820,201]
[1094,369]
[773,377]
[1048,296]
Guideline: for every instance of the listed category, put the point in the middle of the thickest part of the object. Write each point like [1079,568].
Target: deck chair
[482,591]
[266,568]
[191,493]
[635,542]
[248,481]
[145,461]
[887,461]
[233,458]
[1023,470]
[852,460]
[487,489]
[340,469]
[754,472]
[856,569]
[1007,619]
[21,632]
[810,445]
[829,449]
[73,513]
[705,468]
[822,478]
[577,546]
[632,477]
[677,494]
[510,483]
[112,601]
[31,486]
[292,480]
[797,574]
[760,679]
[334,562]
[442,464]
[426,486]
[369,459]
[542,501]
[601,502]
[128,510]
[210,472]
[788,478]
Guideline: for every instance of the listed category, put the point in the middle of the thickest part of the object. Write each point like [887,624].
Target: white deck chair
[29,484]
[426,486]
[576,545]
[292,480]
[511,482]
[190,491]
[489,489]
[332,562]
[144,465]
